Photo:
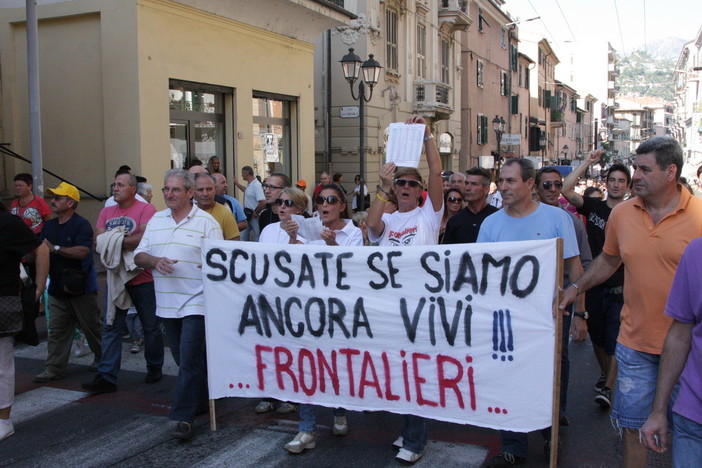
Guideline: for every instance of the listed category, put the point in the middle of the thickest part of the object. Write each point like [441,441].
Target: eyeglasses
[411,183]
[272,187]
[548,184]
[174,190]
[454,200]
[59,197]
[281,202]
[331,199]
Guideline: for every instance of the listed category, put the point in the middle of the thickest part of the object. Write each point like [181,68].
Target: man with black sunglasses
[272,188]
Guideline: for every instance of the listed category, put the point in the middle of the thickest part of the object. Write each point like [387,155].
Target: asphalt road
[57,424]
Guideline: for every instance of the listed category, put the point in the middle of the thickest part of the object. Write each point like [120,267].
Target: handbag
[11,315]
[74,282]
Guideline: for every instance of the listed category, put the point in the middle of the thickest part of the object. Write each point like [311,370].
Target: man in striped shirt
[170,247]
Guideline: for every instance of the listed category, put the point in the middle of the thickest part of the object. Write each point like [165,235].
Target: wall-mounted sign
[348,112]
[445,143]
[511,139]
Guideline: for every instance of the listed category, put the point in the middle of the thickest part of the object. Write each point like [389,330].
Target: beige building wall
[105,68]
[394,97]
[486,47]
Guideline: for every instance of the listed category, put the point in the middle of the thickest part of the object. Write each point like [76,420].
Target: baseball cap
[301,183]
[65,189]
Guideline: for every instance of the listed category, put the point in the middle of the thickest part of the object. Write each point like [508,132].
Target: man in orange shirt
[649,234]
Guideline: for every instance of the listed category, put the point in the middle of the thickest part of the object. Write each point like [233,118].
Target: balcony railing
[455,12]
[433,99]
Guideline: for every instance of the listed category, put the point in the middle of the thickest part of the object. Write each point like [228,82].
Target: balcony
[557,118]
[455,14]
[432,99]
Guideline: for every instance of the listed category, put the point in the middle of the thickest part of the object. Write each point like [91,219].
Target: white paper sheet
[405,144]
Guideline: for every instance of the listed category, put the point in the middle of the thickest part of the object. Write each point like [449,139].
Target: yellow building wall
[182,43]
[104,71]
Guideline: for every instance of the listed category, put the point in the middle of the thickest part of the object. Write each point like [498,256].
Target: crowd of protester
[631,263]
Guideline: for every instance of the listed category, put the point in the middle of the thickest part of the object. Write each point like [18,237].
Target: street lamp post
[542,145]
[565,152]
[352,65]
[498,125]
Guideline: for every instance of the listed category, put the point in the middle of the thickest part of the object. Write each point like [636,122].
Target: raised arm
[571,180]
[375,212]
[435,184]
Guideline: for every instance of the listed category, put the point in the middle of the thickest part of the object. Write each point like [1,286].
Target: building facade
[157,84]
[687,127]
[417,44]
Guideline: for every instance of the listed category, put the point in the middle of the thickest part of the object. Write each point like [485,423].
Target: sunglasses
[411,183]
[454,200]
[331,199]
[59,197]
[548,184]
[281,202]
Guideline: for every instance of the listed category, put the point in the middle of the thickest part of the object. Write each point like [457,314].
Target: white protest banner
[461,333]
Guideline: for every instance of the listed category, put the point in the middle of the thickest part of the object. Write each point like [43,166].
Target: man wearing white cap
[73,287]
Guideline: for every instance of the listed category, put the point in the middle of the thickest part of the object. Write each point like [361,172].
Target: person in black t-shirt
[603,302]
[73,288]
[463,228]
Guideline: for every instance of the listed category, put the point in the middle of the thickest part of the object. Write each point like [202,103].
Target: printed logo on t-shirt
[402,238]
[30,213]
[128,223]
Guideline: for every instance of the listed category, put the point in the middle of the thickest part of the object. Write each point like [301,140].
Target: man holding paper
[409,225]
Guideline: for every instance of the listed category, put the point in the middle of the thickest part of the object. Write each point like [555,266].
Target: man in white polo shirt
[170,247]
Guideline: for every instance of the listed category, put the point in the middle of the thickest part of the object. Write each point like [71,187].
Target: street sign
[511,139]
[348,112]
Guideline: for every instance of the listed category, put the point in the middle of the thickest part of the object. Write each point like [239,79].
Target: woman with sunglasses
[453,202]
[409,225]
[337,230]
[291,201]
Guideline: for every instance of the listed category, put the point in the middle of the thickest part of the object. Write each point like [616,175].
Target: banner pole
[555,416]
[213,416]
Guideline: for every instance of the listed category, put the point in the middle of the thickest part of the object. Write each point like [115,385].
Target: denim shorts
[636,387]
[687,442]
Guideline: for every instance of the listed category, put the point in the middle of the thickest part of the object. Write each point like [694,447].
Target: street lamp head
[542,140]
[498,125]
[371,71]
[565,148]
[351,65]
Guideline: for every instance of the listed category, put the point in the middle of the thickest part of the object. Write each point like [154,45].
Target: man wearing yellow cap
[73,288]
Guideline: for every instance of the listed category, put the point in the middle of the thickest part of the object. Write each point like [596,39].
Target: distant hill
[650,72]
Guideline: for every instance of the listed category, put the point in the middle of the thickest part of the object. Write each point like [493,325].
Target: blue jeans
[517,443]
[414,434]
[636,386]
[186,338]
[145,302]
[308,419]
[687,442]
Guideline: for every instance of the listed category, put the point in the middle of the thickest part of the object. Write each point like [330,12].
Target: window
[504,84]
[526,77]
[503,38]
[482,135]
[196,122]
[514,56]
[481,20]
[391,40]
[272,133]
[540,96]
[445,61]
[521,71]
[479,70]
[421,51]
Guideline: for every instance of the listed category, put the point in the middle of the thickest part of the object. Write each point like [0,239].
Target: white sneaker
[302,441]
[398,442]
[82,348]
[407,456]
[341,426]
[6,429]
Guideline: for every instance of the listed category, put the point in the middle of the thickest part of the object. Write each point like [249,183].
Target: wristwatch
[57,248]
[583,315]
